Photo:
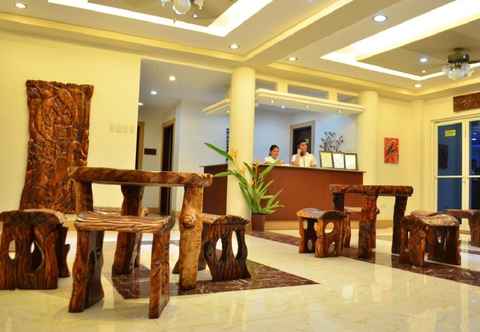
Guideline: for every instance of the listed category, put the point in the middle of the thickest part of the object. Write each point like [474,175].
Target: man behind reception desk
[303,158]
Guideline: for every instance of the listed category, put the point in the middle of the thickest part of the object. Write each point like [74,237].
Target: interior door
[302,134]
[167,163]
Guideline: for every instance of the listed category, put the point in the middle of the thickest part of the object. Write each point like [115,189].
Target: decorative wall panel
[59,116]
[466,102]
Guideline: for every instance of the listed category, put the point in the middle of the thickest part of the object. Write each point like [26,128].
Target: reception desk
[301,188]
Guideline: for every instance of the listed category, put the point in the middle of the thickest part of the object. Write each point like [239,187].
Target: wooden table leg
[367,222]
[159,274]
[191,225]
[398,214]
[127,251]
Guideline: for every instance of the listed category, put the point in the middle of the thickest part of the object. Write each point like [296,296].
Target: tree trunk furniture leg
[47,273]
[307,235]
[62,250]
[87,287]
[416,246]
[404,237]
[320,250]
[452,246]
[474,224]
[128,244]
[159,275]
[83,196]
[347,235]
[191,225]
[7,265]
[367,223]
[398,214]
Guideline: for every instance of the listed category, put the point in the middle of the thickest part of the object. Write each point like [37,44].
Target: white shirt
[271,160]
[307,160]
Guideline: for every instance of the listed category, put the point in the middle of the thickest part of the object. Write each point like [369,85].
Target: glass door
[449,166]
[458,165]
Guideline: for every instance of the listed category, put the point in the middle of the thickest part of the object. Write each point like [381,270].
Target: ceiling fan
[181,7]
[459,64]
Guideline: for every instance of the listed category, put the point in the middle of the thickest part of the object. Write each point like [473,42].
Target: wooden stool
[40,249]
[327,242]
[473,217]
[437,234]
[87,286]
[227,266]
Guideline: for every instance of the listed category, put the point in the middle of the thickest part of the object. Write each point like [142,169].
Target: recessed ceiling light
[153,92]
[424,71]
[292,58]
[423,59]
[20,5]
[380,18]
[283,107]
[234,46]
[195,15]
[272,101]
[140,103]
[172,78]
[418,85]
[307,107]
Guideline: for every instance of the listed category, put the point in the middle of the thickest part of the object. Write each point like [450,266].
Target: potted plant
[253,185]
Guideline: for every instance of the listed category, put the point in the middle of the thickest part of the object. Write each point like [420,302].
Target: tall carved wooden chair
[435,234]
[39,255]
[87,286]
[227,265]
[324,232]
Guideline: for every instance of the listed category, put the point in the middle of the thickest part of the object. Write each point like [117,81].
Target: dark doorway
[139,152]
[302,134]
[167,161]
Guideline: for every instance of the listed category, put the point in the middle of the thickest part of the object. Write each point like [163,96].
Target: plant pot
[258,222]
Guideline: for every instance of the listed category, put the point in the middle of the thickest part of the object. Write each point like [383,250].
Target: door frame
[140,145]
[166,124]
[310,124]
[465,176]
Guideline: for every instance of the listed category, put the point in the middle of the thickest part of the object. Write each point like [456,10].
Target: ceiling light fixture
[424,71]
[153,92]
[283,107]
[234,46]
[20,5]
[423,59]
[195,15]
[140,103]
[181,7]
[172,78]
[380,18]
[418,85]
[292,59]
[272,101]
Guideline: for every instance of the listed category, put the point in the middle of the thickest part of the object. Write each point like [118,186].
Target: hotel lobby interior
[239,165]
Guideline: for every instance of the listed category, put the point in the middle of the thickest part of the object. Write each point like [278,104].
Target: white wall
[113,117]
[153,119]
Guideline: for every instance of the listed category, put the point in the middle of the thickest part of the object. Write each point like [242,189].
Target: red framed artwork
[391,150]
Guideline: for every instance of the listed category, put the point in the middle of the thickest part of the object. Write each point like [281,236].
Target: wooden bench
[87,286]
[40,252]
[437,234]
[473,217]
[324,232]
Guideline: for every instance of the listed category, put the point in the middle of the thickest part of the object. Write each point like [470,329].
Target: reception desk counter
[301,188]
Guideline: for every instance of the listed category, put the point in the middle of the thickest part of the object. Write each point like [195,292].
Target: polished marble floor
[338,294]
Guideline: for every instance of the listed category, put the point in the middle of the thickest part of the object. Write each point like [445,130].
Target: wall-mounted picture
[338,160]
[351,161]
[391,154]
[326,159]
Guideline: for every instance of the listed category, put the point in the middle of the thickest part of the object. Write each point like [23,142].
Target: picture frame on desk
[326,159]
[351,161]
[338,160]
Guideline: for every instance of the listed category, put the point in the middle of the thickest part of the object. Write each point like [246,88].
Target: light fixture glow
[283,107]
[380,18]
[195,15]
[424,71]
[292,59]
[423,59]
[172,78]
[140,103]
[418,85]
[234,46]
[20,5]
[238,13]
[272,101]
[443,18]
[153,92]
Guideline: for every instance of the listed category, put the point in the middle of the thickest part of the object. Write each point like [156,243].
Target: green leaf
[219,151]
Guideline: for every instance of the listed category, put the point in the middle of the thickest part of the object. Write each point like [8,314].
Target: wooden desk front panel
[301,188]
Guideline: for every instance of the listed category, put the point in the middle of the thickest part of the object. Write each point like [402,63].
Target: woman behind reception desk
[273,156]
